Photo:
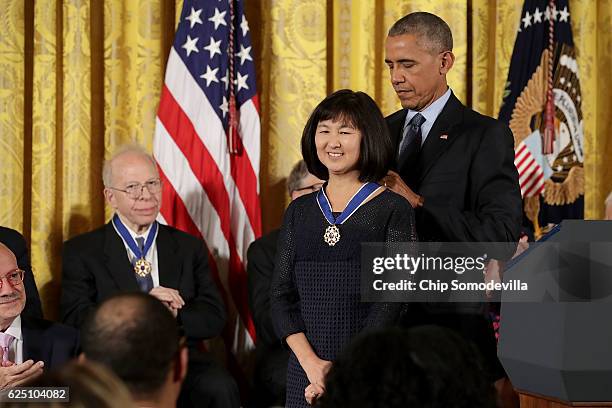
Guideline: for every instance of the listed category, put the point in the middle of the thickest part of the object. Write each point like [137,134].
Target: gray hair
[132,148]
[431,31]
[298,173]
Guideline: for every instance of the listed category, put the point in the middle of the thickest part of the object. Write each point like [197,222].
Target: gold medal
[142,267]
[332,235]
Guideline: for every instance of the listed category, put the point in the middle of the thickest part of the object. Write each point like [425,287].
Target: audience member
[138,339]
[17,244]
[133,252]
[425,367]
[270,356]
[27,344]
[608,215]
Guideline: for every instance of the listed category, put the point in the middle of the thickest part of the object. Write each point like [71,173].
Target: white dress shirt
[430,114]
[151,255]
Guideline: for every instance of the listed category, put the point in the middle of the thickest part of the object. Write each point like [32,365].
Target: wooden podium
[530,400]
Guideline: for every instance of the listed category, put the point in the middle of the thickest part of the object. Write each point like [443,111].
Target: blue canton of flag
[202,41]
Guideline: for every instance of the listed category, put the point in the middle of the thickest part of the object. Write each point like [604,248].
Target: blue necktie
[411,142]
[145,283]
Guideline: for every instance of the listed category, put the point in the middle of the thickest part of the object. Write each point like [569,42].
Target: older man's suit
[465,172]
[96,266]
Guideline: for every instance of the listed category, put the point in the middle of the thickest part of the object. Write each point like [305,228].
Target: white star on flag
[527,19]
[210,75]
[224,108]
[244,54]
[214,47]
[244,25]
[218,18]
[225,79]
[547,14]
[190,45]
[564,14]
[537,16]
[194,17]
[241,81]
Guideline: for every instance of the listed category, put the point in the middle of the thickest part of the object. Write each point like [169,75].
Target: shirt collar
[431,112]
[15,328]
[132,233]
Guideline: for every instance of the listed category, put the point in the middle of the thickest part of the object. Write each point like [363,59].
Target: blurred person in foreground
[90,385]
[135,336]
[426,367]
[315,295]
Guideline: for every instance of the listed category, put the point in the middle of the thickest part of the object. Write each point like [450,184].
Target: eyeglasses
[312,188]
[15,278]
[134,191]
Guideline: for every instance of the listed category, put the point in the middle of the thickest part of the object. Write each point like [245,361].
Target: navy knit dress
[316,287]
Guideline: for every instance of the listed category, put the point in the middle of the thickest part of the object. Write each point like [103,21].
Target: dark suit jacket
[52,343]
[465,172]
[467,178]
[270,356]
[96,266]
[16,243]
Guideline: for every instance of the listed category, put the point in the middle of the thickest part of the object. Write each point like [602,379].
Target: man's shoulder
[265,244]
[87,240]
[182,238]
[472,118]
[48,329]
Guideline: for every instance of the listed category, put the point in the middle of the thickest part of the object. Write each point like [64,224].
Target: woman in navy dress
[315,295]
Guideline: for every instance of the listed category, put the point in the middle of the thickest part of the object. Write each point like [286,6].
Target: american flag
[207,147]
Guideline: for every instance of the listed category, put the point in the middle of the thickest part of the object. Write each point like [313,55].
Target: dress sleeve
[400,228]
[284,296]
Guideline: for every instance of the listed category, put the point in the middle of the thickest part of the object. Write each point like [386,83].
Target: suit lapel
[440,136]
[34,345]
[395,124]
[117,261]
[167,259]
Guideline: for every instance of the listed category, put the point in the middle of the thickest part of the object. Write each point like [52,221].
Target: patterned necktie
[145,283]
[5,342]
[412,139]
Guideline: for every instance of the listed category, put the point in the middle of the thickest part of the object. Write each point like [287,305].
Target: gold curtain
[80,77]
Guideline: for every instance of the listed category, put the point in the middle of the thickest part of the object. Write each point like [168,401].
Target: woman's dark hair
[359,110]
[426,367]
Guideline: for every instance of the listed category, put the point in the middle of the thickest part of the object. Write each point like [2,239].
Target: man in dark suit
[454,165]
[135,253]
[17,244]
[271,357]
[27,344]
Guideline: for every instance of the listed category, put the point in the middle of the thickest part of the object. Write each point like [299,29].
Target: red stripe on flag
[179,126]
[246,182]
[535,185]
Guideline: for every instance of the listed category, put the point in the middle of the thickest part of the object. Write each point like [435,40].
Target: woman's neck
[340,189]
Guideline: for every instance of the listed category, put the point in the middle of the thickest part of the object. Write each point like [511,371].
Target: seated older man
[27,344]
[133,252]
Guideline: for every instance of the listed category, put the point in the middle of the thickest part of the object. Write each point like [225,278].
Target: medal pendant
[332,235]
[142,267]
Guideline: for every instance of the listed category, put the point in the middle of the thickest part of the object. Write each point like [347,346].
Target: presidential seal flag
[542,106]
[207,146]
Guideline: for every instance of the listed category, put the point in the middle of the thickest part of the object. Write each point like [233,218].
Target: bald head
[12,293]
[137,337]
[125,155]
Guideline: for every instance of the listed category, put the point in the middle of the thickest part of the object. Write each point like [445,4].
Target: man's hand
[169,297]
[394,182]
[13,375]
[312,393]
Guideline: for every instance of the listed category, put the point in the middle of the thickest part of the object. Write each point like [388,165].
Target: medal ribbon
[360,197]
[127,237]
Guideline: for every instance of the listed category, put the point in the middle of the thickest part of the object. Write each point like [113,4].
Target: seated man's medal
[332,232]
[142,267]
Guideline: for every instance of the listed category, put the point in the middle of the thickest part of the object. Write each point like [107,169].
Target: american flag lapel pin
[444,137]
